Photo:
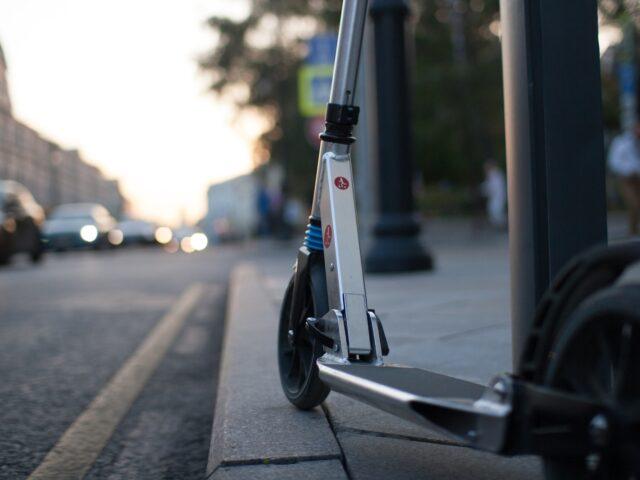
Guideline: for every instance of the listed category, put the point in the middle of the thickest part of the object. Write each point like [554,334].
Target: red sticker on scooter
[328,235]
[341,182]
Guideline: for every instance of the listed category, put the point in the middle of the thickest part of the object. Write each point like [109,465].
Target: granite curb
[256,432]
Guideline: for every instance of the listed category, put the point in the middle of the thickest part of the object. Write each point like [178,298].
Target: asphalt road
[69,325]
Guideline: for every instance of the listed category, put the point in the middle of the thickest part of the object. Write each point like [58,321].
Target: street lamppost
[395,244]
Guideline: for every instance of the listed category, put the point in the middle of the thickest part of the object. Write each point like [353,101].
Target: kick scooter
[575,398]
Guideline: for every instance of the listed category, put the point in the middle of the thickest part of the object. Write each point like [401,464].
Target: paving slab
[253,421]
[374,457]
[317,470]
[453,321]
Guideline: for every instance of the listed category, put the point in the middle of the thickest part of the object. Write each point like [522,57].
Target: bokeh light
[163,235]
[89,233]
[116,237]
[199,241]
[185,245]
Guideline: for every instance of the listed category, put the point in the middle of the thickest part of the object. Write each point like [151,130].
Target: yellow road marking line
[77,449]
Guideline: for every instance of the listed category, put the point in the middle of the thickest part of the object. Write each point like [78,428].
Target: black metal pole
[395,244]
[555,153]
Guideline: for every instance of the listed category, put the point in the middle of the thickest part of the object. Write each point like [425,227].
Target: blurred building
[232,205]
[231,208]
[52,174]
[5,101]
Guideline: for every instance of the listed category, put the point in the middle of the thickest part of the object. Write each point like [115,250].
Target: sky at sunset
[118,80]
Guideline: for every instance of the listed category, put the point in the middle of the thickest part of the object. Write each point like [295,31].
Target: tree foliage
[255,63]
[616,10]
[458,114]
[456,91]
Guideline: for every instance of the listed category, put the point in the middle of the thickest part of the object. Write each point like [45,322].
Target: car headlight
[89,233]
[199,241]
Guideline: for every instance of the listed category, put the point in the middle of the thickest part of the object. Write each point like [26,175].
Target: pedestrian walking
[494,189]
[263,208]
[624,163]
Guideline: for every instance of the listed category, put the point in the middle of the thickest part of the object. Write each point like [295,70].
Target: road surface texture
[109,365]
[68,328]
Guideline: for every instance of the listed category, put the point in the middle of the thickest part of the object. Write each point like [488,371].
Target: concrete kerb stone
[253,422]
[314,470]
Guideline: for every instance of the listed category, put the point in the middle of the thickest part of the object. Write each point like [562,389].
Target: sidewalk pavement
[453,321]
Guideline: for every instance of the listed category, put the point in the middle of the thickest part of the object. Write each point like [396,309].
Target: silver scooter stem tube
[345,76]
[345,71]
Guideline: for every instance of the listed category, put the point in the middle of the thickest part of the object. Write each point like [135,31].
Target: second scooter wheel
[597,356]
[297,350]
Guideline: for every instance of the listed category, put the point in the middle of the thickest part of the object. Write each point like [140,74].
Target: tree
[623,15]
[457,80]
[256,59]
[615,10]
[255,63]
[458,89]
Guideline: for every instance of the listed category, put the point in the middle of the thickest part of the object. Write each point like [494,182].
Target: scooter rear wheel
[597,355]
[297,350]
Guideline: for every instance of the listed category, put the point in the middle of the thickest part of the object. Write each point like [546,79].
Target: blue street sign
[322,49]
[314,77]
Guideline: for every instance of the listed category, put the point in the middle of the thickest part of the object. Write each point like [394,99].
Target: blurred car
[78,225]
[133,232]
[20,221]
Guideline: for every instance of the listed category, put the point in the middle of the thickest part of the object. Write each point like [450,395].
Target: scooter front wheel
[597,356]
[297,349]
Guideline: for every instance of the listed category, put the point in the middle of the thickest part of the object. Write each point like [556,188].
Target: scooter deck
[408,379]
[452,406]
